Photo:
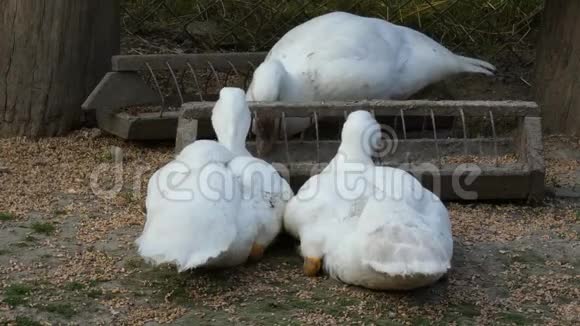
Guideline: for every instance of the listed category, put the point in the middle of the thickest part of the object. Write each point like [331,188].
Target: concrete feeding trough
[507,165]
[140,98]
[159,97]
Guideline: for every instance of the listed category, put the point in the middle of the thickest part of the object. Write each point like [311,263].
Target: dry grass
[563,165]
[513,264]
[472,26]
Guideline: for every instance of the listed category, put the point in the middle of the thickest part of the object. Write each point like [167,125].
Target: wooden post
[558,67]
[52,54]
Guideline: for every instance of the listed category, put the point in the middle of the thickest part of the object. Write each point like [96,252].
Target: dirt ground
[67,255]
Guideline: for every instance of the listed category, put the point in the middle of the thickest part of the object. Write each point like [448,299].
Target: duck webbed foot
[312,266]
[257,252]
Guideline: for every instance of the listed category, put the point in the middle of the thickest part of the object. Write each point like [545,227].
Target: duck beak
[257,251]
[312,266]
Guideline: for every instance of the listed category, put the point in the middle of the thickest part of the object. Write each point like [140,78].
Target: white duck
[341,56]
[215,205]
[375,227]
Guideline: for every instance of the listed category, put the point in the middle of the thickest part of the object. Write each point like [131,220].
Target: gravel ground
[67,255]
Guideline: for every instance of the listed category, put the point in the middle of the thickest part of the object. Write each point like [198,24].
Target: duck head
[360,138]
[231,119]
[266,86]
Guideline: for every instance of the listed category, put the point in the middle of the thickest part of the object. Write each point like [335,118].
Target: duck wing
[404,229]
[191,213]
[265,195]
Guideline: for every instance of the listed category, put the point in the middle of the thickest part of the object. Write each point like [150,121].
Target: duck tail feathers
[476,66]
[405,250]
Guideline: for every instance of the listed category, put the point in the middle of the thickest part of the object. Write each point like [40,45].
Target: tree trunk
[52,54]
[558,67]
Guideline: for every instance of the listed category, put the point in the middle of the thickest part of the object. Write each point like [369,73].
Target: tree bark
[558,67]
[52,54]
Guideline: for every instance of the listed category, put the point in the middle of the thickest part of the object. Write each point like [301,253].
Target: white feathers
[214,202]
[231,120]
[375,227]
[188,221]
[341,56]
[476,66]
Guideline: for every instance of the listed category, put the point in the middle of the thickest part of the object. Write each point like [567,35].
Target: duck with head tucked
[214,205]
[345,57]
[375,227]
